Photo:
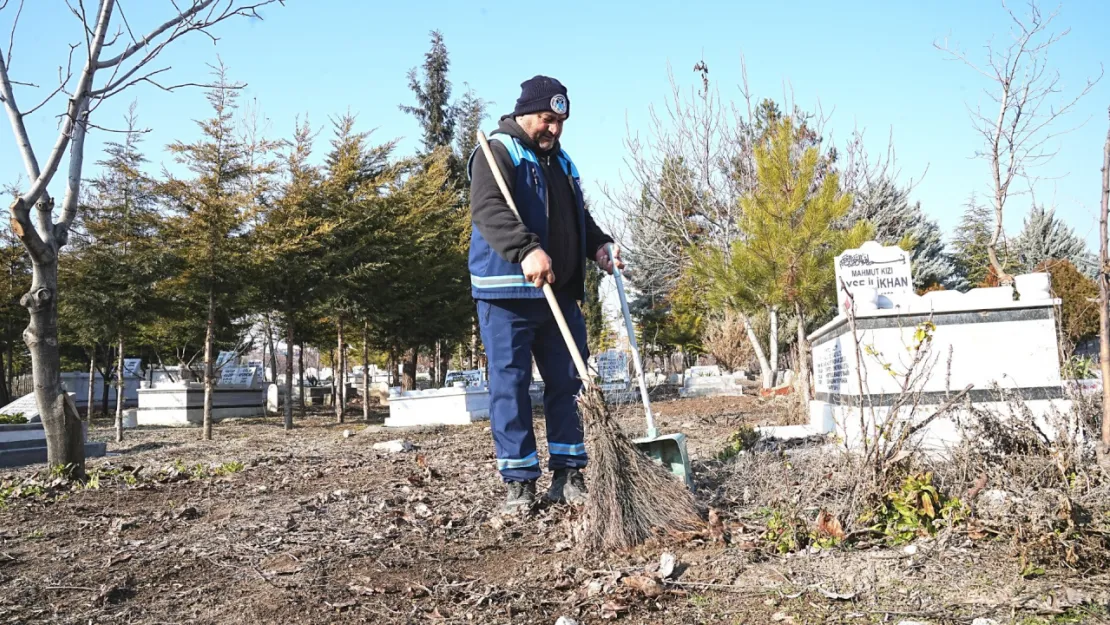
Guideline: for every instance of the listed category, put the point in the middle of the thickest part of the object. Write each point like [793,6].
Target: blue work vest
[493,277]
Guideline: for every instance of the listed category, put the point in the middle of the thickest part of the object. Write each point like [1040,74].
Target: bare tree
[1104,300]
[1028,96]
[114,59]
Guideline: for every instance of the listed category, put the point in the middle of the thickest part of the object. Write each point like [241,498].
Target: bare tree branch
[15,23]
[73,181]
[1028,96]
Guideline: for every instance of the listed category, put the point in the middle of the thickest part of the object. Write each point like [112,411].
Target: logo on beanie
[559,104]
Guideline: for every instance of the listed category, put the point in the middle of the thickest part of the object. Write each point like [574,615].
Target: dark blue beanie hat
[542,93]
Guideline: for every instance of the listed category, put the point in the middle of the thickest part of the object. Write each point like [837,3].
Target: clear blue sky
[871,64]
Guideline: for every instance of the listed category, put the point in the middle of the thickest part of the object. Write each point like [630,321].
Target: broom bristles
[630,496]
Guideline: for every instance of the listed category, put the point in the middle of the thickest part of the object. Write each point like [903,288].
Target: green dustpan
[668,450]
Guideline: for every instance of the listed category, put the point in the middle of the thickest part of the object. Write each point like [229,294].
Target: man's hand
[606,263]
[537,268]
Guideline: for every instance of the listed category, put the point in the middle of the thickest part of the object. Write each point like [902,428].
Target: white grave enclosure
[238,394]
[1005,349]
[76,383]
[438,406]
[709,381]
[25,443]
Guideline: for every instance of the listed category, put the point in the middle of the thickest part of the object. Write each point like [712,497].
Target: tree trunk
[92,385]
[273,352]
[773,343]
[288,371]
[65,438]
[408,381]
[209,358]
[11,361]
[105,383]
[444,364]
[473,345]
[438,362]
[1104,301]
[802,373]
[5,390]
[119,393]
[341,373]
[365,371]
[765,370]
[300,377]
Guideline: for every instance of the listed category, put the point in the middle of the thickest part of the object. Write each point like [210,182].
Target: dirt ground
[318,527]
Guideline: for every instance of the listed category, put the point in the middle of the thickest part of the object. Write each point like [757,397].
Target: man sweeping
[509,263]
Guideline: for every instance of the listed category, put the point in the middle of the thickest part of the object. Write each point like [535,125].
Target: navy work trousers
[513,331]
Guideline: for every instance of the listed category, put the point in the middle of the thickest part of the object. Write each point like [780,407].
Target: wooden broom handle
[564,329]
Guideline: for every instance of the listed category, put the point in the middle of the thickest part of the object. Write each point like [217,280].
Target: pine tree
[212,213]
[117,259]
[785,258]
[438,117]
[591,309]
[472,112]
[970,242]
[290,243]
[1044,237]
[895,220]
[355,174]
[433,96]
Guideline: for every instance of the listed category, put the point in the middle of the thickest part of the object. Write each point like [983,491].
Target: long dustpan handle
[547,292]
[651,431]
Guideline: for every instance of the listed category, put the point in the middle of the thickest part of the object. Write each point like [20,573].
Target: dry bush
[1036,482]
[727,340]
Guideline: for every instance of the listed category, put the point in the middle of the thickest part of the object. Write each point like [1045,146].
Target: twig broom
[631,496]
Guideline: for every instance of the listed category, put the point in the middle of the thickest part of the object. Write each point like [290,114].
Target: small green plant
[786,533]
[35,535]
[1079,368]
[1030,570]
[228,468]
[915,509]
[14,418]
[742,439]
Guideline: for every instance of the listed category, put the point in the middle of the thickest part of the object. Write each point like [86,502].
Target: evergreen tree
[591,309]
[1044,237]
[970,241]
[896,221]
[118,258]
[785,258]
[290,243]
[433,96]
[14,282]
[437,117]
[212,213]
[472,112]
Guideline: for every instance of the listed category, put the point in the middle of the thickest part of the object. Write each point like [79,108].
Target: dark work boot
[567,486]
[520,496]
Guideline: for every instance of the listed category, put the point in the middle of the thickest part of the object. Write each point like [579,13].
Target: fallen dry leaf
[282,564]
[644,585]
[829,525]
[613,609]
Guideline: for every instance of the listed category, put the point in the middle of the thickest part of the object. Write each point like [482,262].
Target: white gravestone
[228,376]
[871,273]
[708,381]
[272,398]
[26,405]
[612,366]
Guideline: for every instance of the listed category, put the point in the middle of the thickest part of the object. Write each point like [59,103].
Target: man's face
[544,128]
